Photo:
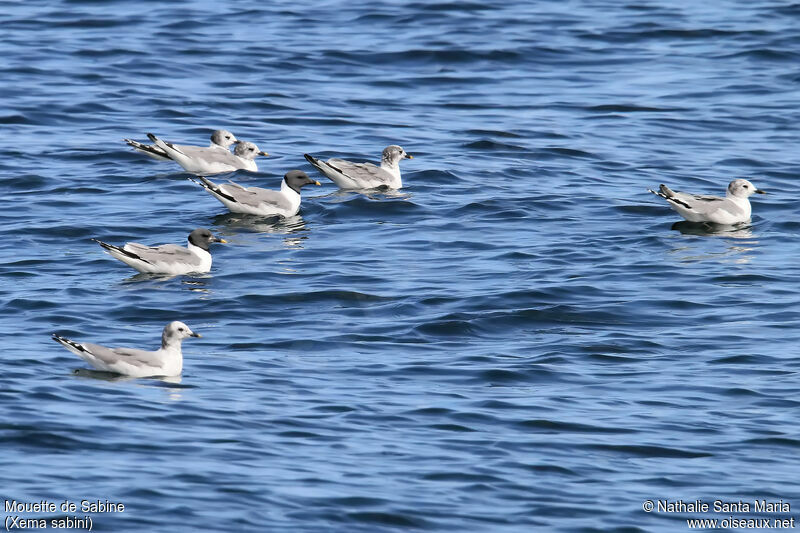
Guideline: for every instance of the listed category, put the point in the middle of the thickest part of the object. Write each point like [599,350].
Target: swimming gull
[732,209]
[166,361]
[167,258]
[220,140]
[349,175]
[212,161]
[257,201]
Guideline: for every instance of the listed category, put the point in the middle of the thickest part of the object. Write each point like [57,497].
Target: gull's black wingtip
[104,244]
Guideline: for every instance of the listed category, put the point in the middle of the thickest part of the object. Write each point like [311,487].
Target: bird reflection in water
[736,231]
[738,251]
[193,282]
[378,193]
[293,227]
[172,384]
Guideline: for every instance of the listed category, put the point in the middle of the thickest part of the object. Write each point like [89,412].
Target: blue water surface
[521,339]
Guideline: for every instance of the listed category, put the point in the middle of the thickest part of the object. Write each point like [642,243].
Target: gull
[167,258]
[732,209]
[257,201]
[166,361]
[212,161]
[349,175]
[220,140]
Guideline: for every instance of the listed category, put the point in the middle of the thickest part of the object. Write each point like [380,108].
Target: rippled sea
[521,339]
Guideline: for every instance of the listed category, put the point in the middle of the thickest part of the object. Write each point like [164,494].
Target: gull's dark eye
[745,186]
[180,329]
[252,149]
[228,137]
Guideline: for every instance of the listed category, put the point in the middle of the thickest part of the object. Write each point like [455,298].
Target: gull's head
[202,238]
[248,150]
[224,138]
[393,154]
[296,179]
[176,332]
[742,189]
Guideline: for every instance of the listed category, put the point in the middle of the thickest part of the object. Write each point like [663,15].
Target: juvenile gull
[167,258]
[257,201]
[166,361]
[732,209]
[212,161]
[349,175]
[220,140]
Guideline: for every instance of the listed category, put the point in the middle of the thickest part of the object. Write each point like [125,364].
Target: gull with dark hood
[257,201]
[169,259]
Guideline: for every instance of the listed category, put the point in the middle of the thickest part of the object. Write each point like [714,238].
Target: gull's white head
[393,154]
[248,150]
[742,189]
[224,138]
[175,332]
